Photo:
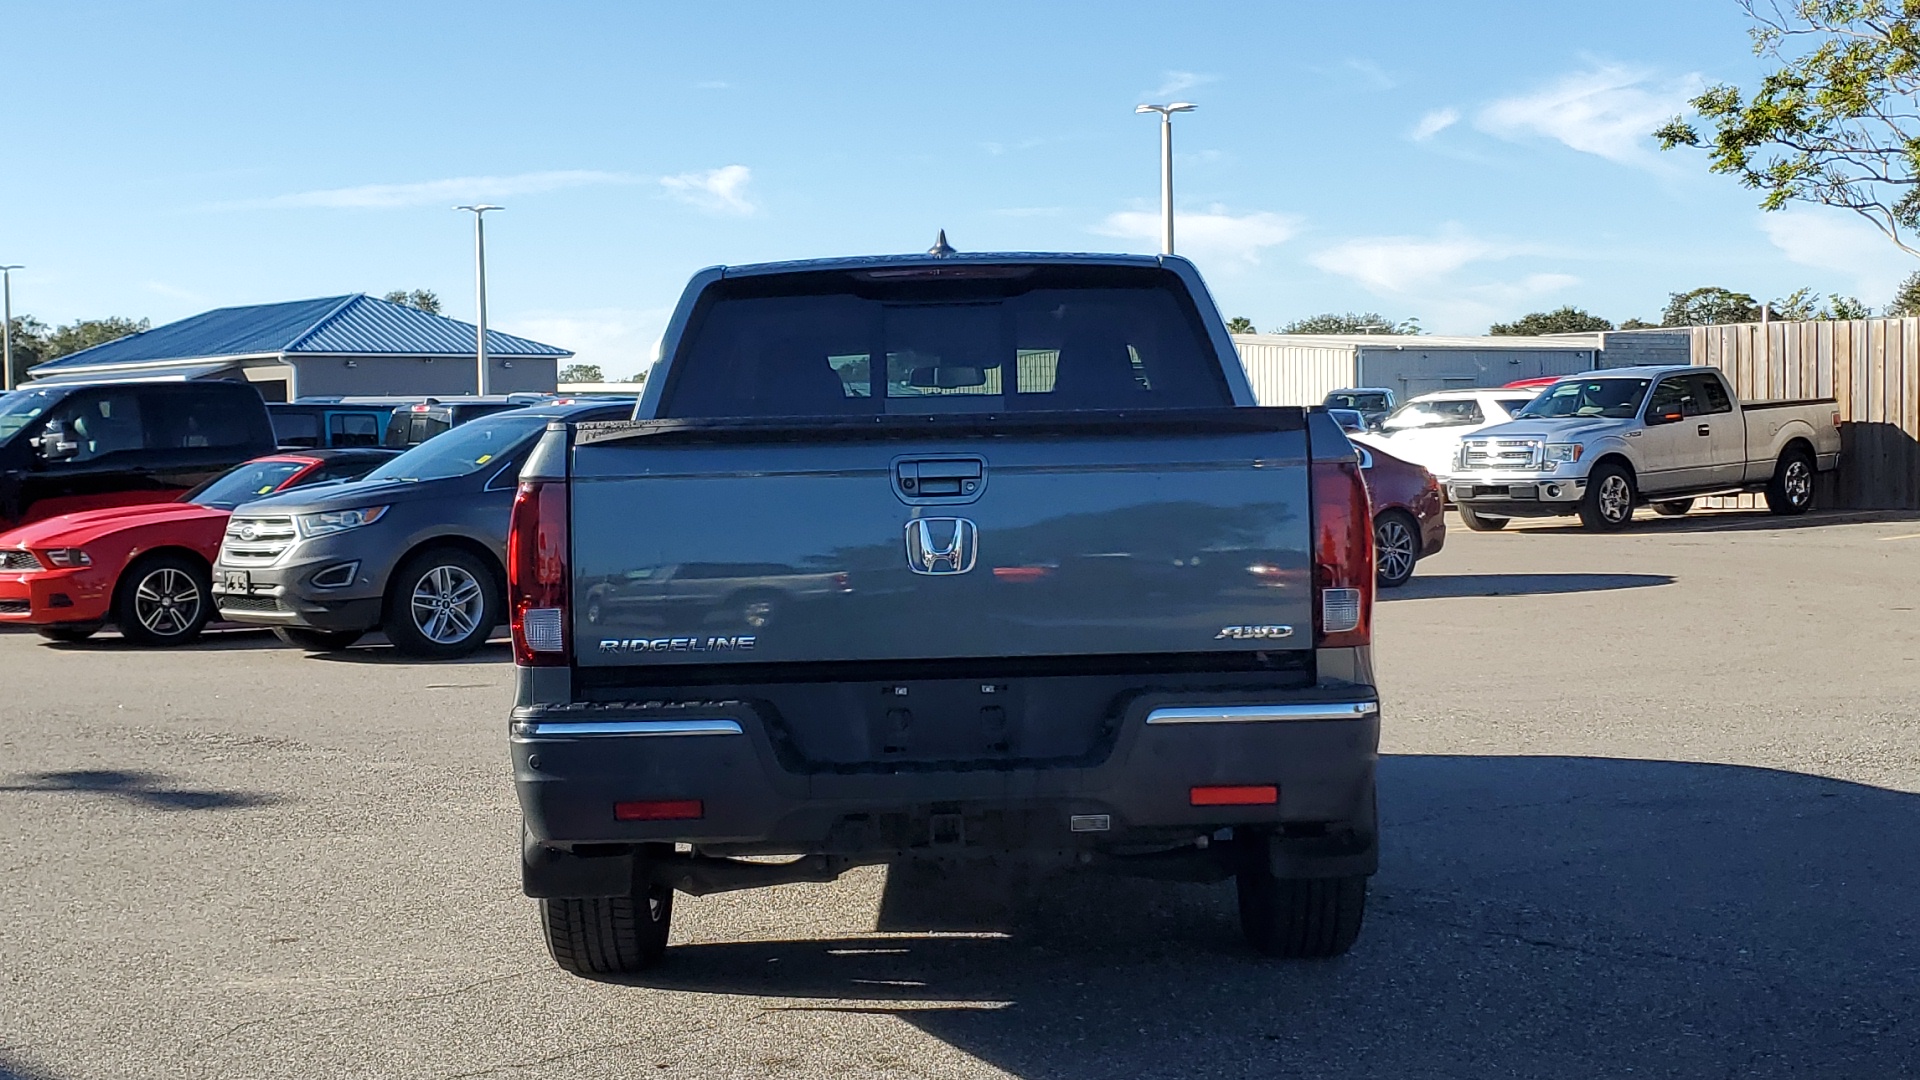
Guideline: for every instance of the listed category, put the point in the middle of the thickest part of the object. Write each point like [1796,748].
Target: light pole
[479,212]
[1166,166]
[6,275]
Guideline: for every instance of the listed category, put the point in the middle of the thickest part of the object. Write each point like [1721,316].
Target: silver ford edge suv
[416,548]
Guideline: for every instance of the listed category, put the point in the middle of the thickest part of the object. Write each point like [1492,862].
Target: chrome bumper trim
[1260,714]
[552,729]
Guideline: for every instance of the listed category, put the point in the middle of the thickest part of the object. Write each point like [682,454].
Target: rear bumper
[52,597]
[1319,753]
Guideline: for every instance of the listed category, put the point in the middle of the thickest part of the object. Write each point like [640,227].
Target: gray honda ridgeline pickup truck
[1091,606]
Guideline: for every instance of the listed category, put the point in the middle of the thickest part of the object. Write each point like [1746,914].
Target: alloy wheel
[1799,482]
[167,602]
[1394,548]
[1616,498]
[447,604]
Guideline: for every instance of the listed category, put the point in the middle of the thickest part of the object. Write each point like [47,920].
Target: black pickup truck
[1083,603]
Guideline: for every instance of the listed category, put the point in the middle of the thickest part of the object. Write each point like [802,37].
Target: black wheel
[1791,489]
[1673,507]
[442,603]
[71,635]
[609,935]
[1608,505]
[303,637]
[164,599]
[1396,547]
[1480,522]
[1300,918]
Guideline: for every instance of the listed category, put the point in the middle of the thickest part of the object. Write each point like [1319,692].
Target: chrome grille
[1522,455]
[19,560]
[256,541]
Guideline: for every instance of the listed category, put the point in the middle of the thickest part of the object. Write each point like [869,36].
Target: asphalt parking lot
[1652,807]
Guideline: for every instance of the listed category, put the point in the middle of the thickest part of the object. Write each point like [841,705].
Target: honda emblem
[942,545]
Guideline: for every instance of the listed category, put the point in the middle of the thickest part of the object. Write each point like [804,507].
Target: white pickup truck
[1602,443]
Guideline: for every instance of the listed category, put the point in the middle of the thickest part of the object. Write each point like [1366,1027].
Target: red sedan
[1409,520]
[145,568]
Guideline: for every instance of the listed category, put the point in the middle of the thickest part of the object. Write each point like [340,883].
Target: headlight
[67,558]
[333,521]
[1561,453]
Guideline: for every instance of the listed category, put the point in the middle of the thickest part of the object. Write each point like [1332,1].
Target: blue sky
[1460,162]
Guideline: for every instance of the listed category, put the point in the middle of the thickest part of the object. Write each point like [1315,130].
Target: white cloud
[1175,82]
[1434,123]
[454,189]
[1213,234]
[720,191]
[1609,110]
[1840,242]
[620,340]
[1375,75]
[1398,264]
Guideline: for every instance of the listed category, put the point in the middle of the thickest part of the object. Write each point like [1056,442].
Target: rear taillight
[1342,556]
[537,574]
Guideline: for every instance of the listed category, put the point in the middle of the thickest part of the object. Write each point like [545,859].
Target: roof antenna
[941,249]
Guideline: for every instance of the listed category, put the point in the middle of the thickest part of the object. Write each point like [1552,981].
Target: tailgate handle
[932,478]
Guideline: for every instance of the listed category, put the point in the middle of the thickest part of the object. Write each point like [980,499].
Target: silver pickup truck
[1602,443]
[1066,595]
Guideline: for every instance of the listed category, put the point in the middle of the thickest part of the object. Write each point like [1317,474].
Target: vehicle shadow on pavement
[1545,916]
[1437,586]
[146,789]
[214,640]
[1726,521]
[493,652]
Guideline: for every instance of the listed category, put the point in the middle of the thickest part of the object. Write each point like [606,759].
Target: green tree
[1368,322]
[1847,307]
[1835,122]
[1906,299]
[574,373]
[86,333]
[1240,324]
[1709,306]
[1562,320]
[29,345]
[424,299]
[1803,305]
[1638,324]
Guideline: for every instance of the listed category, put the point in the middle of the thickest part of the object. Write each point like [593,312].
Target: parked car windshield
[254,480]
[1614,398]
[463,450]
[1363,400]
[1443,413]
[17,409]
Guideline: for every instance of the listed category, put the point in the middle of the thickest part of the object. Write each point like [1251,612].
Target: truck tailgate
[741,544]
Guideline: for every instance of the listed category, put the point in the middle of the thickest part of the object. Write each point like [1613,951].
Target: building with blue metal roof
[336,345]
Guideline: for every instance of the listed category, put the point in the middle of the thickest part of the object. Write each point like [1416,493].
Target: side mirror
[54,443]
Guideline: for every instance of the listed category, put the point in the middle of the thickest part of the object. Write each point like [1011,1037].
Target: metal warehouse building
[336,345]
[1299,369]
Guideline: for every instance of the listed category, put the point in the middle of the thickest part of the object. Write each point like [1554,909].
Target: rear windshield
[1357,399]
[1028,338]
[254,480]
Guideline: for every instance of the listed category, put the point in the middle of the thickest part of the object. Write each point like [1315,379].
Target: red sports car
[1409,514]
[146,568]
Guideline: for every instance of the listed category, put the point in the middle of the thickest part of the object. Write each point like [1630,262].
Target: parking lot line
[1903,536]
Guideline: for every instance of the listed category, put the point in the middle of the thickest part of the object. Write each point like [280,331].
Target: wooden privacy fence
[1872,366]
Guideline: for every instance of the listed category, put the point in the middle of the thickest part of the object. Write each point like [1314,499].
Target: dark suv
[416,548]
[66,448]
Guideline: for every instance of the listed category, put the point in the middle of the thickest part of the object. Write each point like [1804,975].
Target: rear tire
[1673,507]
[71,635]
[1791,489]
[1396,547]
[1480,522]
[164,600]
[598,937]
[302,637]
[1608,505]
[443,604]
[1300,918]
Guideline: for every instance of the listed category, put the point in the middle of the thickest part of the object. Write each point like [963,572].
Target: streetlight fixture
[6,365]
[1166,166]
[479,212]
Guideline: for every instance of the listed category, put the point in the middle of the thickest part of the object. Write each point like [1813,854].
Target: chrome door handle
[1705,429]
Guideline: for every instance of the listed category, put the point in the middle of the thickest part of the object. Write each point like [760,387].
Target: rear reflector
[659,810]
[1234,795]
